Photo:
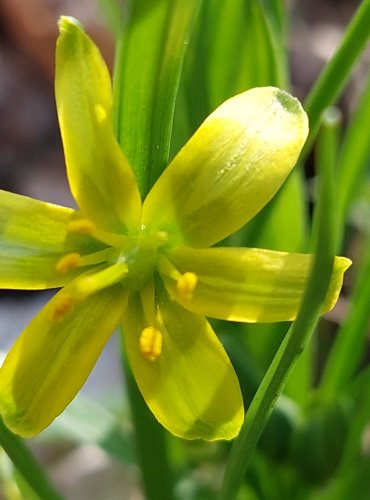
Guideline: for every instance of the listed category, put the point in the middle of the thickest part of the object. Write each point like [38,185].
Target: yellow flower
[148,265]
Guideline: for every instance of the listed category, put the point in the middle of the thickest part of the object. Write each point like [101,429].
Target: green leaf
[112,12]
[353,161]
[231,167]
[227,32]
[99,174]
[148,67]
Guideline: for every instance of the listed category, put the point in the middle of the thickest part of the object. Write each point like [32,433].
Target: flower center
[132,258]
[139,253]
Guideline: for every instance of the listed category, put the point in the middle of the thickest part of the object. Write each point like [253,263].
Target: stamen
[82,226]
[151,343]
[68,262]
[63,306]
[99,257]
[167,268]
[73,260]
[147,294]
[86,227]
[111,239]
[186,285]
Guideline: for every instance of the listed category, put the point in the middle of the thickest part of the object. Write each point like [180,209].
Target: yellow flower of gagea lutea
[149,266]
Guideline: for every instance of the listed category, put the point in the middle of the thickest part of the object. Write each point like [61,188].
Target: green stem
[292,345]
[26,465]
[336,73]
[150,442]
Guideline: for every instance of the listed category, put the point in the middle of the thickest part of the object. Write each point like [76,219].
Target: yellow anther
[151,343]
[68,262]
[63,306]
[81,226]
[186,285]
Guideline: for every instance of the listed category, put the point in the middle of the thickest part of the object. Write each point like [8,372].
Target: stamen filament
[95,258]
[185,282]
[166,267]
[87,227]
[111,239]
[73,260]
[147,294]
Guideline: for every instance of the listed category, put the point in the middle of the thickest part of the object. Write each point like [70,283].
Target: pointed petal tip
[341,264]
[68,24]
[344,263]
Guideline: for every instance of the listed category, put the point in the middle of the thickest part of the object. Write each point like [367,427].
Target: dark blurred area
[31,159]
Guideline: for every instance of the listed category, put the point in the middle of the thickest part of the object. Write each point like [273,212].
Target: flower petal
[247,284]
[33,237]
[231,167]
[191,386]
[54,355]
[100,176]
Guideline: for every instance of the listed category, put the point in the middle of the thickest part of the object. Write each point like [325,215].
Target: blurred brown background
[31,161]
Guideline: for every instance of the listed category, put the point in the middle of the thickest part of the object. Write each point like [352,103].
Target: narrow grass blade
[354,157]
